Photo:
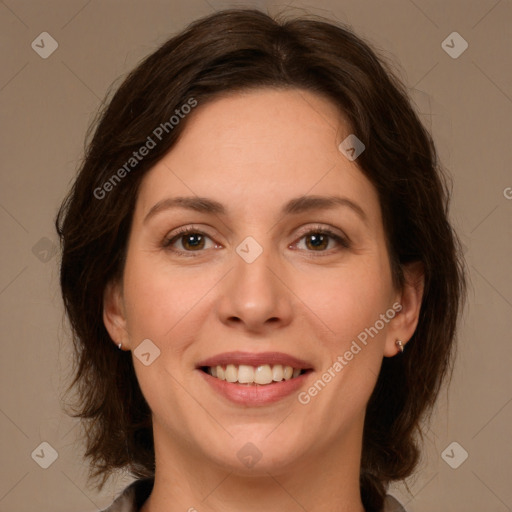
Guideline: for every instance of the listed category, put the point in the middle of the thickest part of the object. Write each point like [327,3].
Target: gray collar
[134,496]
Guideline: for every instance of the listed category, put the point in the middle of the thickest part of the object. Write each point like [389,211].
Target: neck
[322,482]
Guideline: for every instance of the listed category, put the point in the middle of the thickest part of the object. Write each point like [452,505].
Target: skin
[254,151]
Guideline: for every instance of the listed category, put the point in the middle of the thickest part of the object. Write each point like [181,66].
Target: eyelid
[339,236]
[178,233]
[322,228]
[185,229]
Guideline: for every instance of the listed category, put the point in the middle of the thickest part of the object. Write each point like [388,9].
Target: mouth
[255,379]
[260,375]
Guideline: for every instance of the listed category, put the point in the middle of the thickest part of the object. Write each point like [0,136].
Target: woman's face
[256,285]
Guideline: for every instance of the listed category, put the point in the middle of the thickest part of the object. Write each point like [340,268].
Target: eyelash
[317,230]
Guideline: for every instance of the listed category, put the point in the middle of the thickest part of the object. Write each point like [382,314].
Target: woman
[260,274]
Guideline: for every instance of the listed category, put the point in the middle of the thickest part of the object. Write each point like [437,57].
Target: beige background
[47,105]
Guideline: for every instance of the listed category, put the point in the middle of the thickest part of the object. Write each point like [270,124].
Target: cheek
[351,304]
[348,300]
[160,301]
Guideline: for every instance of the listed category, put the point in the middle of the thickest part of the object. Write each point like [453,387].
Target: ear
[403,325]
[114,316]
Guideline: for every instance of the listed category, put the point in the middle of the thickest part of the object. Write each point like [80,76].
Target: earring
[119,346]
[400,345]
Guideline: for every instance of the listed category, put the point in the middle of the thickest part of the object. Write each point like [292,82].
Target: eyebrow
[294,206]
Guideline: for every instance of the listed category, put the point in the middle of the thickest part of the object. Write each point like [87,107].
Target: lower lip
[254,395]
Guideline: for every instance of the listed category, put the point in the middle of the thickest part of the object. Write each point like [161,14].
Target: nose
[256,296]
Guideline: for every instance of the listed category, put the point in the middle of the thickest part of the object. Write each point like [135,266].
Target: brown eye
[190,239]
[318,240]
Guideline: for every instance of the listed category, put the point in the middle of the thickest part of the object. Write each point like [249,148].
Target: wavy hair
[234,50]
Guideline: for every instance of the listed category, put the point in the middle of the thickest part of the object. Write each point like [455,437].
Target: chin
[254,452]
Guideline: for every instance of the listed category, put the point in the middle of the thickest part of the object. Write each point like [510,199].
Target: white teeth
[246,374]
[263,374]
[277,373]
[231,373]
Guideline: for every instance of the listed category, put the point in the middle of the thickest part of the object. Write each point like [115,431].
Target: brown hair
[234,50]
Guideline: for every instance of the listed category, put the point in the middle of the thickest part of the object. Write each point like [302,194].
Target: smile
[253,375]
[255,379]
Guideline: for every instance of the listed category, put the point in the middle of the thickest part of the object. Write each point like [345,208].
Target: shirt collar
[134,496]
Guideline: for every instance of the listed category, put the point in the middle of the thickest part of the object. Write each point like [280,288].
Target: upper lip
[255,359]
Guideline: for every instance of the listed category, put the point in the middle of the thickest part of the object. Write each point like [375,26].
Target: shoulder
[133,496]
[391,504]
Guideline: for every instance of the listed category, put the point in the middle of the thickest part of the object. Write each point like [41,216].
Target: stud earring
[119,346]
[400,345]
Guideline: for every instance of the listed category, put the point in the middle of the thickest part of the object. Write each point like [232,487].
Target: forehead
[259,147]
[263,125]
